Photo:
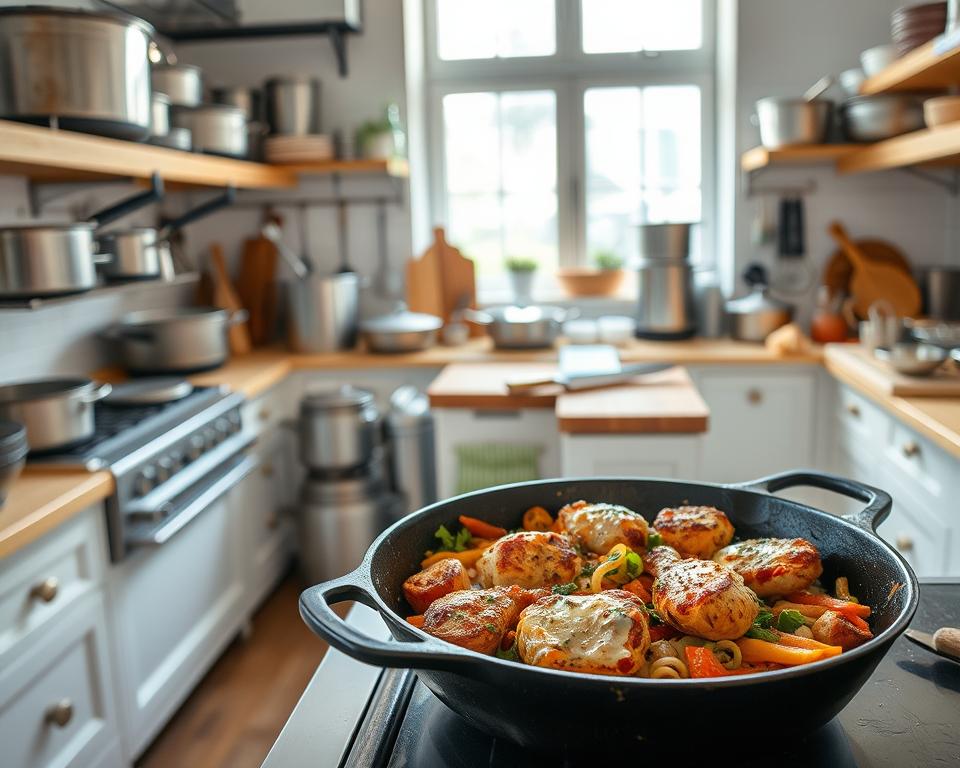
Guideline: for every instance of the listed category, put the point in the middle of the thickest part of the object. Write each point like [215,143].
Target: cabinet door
[760,423]
[56,697]
[669,456]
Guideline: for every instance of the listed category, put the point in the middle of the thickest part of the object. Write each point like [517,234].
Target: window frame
[569,72]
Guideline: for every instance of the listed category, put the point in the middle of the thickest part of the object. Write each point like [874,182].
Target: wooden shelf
[931,146]
[397,167]
[30,305]
[810,154]
[920,70]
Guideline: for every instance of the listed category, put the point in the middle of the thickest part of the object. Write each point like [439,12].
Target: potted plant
[522,270]
[602,280]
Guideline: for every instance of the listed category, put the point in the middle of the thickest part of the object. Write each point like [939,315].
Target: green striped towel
[481,465]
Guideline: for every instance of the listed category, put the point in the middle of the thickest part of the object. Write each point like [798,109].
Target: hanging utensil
[272,232]
[342,228]
[381,280]
[818,88]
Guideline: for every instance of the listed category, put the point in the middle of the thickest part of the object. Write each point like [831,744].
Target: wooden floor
[233,717]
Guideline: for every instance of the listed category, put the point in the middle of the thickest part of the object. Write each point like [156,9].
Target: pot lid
[39,389]
[149,391]
[524,315]
[402,322]
[758,300]
[346,396]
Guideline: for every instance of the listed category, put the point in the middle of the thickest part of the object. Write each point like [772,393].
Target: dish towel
[481,465]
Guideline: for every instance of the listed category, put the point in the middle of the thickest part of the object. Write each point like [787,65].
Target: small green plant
[607,260]
[521,264]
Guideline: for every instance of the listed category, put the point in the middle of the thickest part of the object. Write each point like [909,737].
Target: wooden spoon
[874,282]
[225,297]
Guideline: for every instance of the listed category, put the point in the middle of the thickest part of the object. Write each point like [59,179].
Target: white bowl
[875,60]
[615,329]
[581,331]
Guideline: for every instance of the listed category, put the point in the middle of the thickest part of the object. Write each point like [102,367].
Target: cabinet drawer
[56,706]
[922,541]
[927,469]
[268,410]
[862,425]
[40,582]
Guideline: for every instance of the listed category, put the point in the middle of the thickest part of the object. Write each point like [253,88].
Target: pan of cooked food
[564,614]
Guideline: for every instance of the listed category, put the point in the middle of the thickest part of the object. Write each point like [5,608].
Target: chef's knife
[588,367]
[944,642]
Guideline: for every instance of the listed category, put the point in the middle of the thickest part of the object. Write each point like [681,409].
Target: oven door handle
[178,518]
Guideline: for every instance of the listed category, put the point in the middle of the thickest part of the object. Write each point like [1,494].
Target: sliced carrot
[663,632]
[416,621]
[857,622]
[468,557]
[537,519]
[831,603]
[796,641]
[637,588]
[482,529]
[702,663]
[754,651]
[810,611]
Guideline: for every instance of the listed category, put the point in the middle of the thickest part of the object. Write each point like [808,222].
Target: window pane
[501,176]
[643,162]
[625,26]
[486,29]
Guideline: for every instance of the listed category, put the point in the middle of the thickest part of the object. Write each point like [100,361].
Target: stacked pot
[13,454]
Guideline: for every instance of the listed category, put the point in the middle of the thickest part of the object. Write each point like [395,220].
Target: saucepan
[57,413]
[41,260]
[527,327]
[547,709]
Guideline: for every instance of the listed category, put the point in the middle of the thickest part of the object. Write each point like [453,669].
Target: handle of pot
[227,198]
[425,653]
[96,395]
[237,316]
[878,503]
[121,209]
[102,258]
[477,316]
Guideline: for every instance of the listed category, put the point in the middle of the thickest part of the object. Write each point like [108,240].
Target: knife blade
[944,642]
[581,381]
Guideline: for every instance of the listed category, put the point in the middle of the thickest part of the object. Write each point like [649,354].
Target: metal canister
[293,105]
[410,433]
[339,429]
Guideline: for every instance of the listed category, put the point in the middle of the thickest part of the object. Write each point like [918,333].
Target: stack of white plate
[310,148]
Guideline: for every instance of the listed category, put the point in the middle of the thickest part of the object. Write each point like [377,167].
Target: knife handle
[522,387]
[947,641]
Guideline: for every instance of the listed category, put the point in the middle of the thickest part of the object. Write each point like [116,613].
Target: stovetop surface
[120,429]
[908,714]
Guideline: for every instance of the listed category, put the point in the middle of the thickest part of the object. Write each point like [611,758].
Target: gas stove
[907,714]
[165,459]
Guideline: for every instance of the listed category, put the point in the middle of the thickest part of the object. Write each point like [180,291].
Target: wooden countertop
[42,499]
[936,418]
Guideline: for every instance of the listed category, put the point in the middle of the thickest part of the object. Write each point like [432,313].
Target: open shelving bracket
[751,190]
[949,182]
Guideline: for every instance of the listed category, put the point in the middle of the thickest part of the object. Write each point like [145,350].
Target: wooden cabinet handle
[754,396]
[910,449]
[46,590]
[854,410]
[266,470]
[60,714]
[904,543]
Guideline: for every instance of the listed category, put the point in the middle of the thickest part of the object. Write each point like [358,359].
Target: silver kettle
[755,316]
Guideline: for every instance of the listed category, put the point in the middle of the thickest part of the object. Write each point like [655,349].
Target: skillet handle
[878,502]
[427,653]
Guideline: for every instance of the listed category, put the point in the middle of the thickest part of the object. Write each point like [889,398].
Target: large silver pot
[180,340]
[89,71]
[57,413]
[874,118]
[400,331]
[665,241]
[756,315]
[339,429]
[665,299]
[322,312]
[786,122]
[182,83]
[293,105]
[529,327]
[216,129]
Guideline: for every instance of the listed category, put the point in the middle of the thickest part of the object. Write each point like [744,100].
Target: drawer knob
[754,396]
[854,410]
[267,470]
[60,714]
[910,449]
[264,414]
[273,520]
[46,590]
[904,543]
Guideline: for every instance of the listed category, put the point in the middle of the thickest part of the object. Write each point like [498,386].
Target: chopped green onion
[510,654]
[789,620]
[759,633]
[654,540]
[564,589]
[451,543]
[634,564]
[764,619]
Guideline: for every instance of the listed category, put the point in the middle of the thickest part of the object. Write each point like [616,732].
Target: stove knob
[223,429]
[195,447]
[145,481]
[236,424]
[164,470]
[209,438]
[176,461]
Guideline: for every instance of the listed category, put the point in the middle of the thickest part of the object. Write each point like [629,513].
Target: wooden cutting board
[838,270]
[875,375]
[225,297]
[441,279]
[664,403]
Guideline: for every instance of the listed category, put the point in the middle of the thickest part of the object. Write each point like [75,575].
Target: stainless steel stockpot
[293,105]
[323,312]
[786,122]
[182,83]
[339,429]
[217,129]
[179,340]
[400,331]
[57,413]
[665,241]
[89,71]
[874,118]
[515,327]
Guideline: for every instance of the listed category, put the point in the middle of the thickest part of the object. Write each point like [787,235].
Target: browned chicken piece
[833,628]
[603,634]
[600,527]
[477,618]
[700,597]
[694,531]
[773,566]
[434,582]
[529,559]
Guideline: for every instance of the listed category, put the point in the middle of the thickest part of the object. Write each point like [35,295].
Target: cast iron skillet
[548,710]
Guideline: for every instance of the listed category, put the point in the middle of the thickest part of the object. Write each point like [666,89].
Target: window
[559,125]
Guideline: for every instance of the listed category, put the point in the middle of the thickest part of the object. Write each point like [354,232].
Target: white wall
[784,47]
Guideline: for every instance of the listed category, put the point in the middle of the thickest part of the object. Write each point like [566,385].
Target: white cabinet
[56,688]
[174,609]
[761,421]
[673,456]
